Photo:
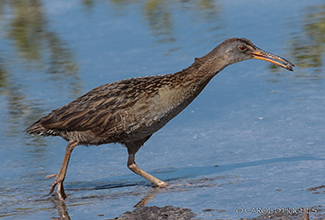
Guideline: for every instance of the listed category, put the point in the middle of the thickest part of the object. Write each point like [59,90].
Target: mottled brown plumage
[129,111]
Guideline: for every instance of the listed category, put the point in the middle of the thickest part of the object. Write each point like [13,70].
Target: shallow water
[254,138]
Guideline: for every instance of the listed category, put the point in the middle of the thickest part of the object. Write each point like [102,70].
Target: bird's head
[238,49]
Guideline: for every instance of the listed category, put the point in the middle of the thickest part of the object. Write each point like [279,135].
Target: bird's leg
[63,170]
[134,167]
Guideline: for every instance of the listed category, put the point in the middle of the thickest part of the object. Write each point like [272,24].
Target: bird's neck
[181,88]
[202,71]
[187,84]
[207,66]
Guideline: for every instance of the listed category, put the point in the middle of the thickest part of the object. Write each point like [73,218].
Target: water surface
[253,138]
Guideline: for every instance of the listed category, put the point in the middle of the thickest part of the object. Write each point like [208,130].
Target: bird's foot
[60,190]
[161,184]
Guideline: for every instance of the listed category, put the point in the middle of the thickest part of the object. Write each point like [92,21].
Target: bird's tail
[36,128]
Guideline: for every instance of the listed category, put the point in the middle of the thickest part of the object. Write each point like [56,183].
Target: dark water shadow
[179,180]
[141,211]
[154,212]
[175,175]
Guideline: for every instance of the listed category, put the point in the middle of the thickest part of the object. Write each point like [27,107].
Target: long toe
[51,176]
[60,191]
[53,186]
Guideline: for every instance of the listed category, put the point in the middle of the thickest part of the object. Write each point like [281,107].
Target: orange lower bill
[262,55]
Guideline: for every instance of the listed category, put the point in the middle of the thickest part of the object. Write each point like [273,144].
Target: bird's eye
[242,48]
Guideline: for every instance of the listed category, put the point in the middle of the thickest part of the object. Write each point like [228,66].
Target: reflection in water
[140,212]
[62,210]
[34,42]
[64,215]
[37,49]
[148,197]
[3,73]
[89,4]
[307,48]
[158,14]
[26,24]
[162,15]
[151,212]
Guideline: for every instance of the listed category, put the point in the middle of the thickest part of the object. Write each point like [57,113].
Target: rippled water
[253,138]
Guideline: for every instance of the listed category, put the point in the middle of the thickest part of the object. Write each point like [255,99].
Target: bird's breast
[150,114]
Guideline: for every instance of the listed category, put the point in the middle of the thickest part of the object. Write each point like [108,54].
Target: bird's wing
[103,110]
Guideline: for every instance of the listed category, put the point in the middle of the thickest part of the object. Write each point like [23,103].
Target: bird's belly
[157,116]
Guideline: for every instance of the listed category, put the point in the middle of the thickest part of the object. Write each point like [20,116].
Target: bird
[129,111]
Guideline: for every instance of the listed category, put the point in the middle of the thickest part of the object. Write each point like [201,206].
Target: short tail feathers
[37,128]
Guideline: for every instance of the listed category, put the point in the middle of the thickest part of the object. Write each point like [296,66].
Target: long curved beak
[263,55]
